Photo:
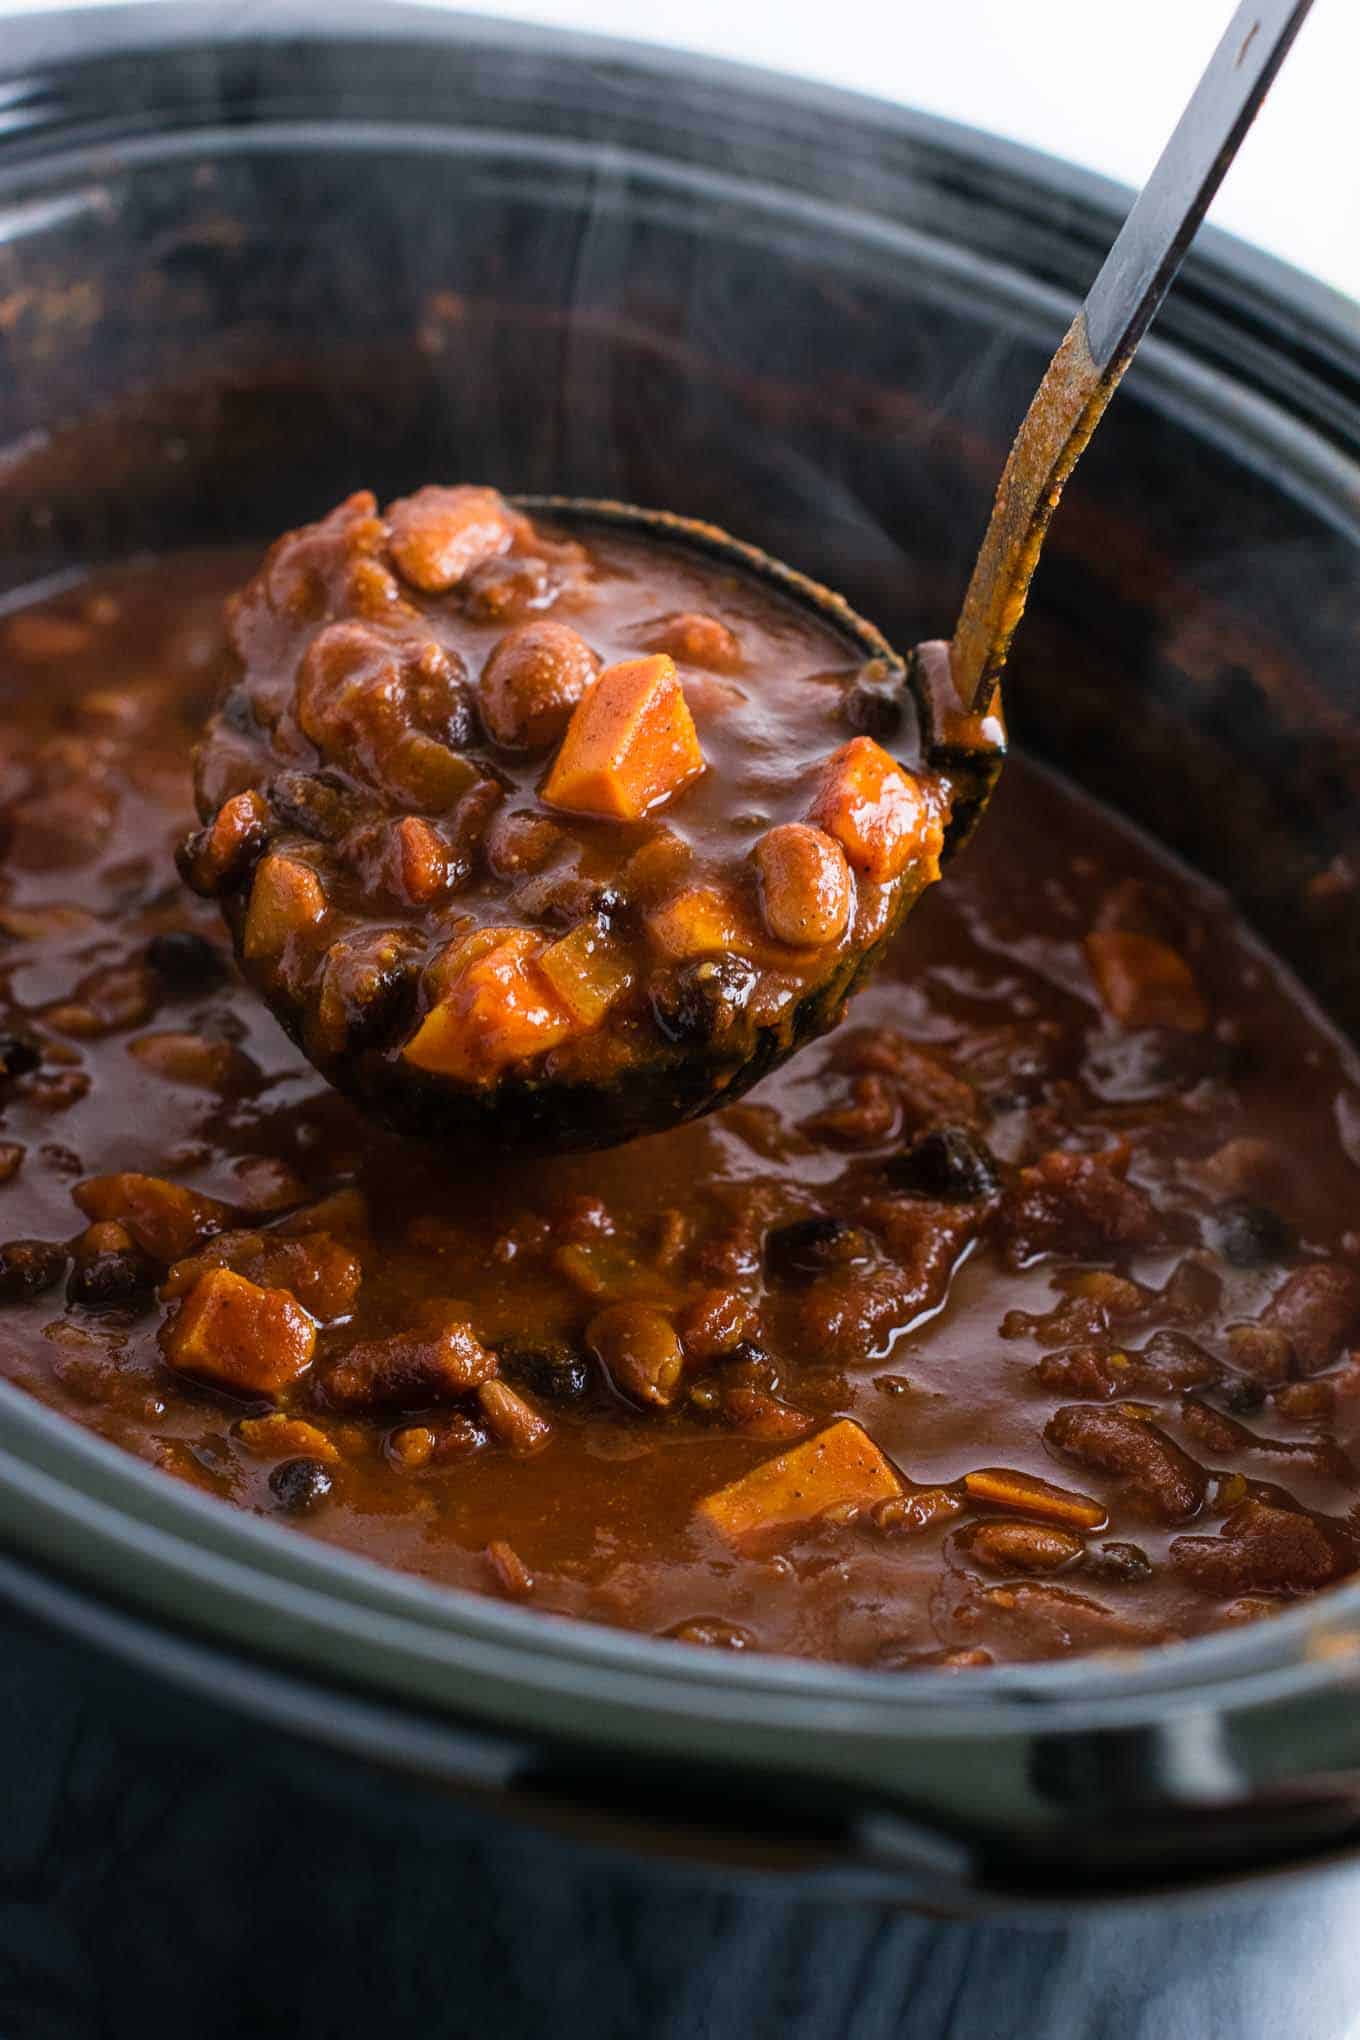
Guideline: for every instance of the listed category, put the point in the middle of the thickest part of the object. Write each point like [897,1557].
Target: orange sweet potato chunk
[166,1220]
[236,1336]
[879,813]
[630,744]
[1143,982]
[497,1009]
[841,1464]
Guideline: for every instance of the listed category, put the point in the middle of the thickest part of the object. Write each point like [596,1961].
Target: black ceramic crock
[252,259]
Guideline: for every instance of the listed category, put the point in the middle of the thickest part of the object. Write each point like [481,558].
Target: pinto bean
[804,883]
[1168,1483]
[1263,1548]
[1316,1309]
[1074,1204]
[693,639]
[532,681]
[640,1351]
[1012,1545]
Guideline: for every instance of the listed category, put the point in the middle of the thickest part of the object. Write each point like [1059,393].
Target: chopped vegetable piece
[1143,982]
[705,920]
[166,1220]
[1025,1494]
[499,1009]
[880,813]
[286,899]
[511,1574]
[515,1422]
[279,1437]
[587,971]
[236,1336]
[841,1464]
[630,744]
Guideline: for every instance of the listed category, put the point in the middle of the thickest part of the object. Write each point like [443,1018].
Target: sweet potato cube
[879,812]
[166,1220]
[279,1437]
[703,920]
[841,1464]
[587,971]
[630,744]
[285,899]
[498,1009]
[1143,982]
[236,1336]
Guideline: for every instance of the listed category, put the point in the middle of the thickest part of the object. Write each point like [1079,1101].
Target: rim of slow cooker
[89,1512]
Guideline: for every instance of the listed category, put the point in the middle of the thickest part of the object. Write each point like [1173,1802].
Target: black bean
[109,1281]
[948,1163]
[1119,1562]
[872,711]
[300,1485]
[554,1372]
[814,1246]
[316,805]
[703,1003]
[1250,1235]
[371,977]
[27,1267]
[236,712]
[185,962]
[18,1056]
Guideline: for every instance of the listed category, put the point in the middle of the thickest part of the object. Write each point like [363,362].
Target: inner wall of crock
[217,341]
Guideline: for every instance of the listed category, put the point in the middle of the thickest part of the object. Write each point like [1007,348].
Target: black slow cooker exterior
[248,262]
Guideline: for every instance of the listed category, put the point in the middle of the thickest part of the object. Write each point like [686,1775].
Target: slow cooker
[255,1784]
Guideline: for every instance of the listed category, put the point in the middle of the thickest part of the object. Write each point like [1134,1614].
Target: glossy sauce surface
[1088,1285]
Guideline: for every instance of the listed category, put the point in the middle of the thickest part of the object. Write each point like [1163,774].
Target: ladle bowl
[535,1110]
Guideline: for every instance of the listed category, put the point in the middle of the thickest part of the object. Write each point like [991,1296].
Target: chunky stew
[1019,1317]
[493,807]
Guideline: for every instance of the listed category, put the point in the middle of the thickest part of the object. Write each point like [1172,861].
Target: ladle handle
[1084,373]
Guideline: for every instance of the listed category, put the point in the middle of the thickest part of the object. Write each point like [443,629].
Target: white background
[1101,81]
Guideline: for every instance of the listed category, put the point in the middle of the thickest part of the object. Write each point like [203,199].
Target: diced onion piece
[587,971]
